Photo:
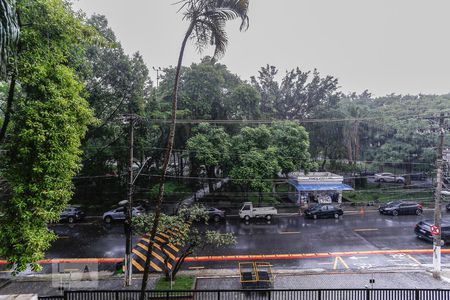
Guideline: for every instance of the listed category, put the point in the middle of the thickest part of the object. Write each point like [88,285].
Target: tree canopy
[50,119]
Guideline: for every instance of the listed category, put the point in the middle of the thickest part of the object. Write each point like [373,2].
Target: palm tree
[9,32]
[207,19]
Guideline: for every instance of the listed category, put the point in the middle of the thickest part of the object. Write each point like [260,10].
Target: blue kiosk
[320,187]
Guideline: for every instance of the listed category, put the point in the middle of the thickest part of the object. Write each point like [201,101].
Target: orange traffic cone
[361,211]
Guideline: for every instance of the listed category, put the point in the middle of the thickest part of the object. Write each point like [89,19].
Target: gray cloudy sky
[385,46]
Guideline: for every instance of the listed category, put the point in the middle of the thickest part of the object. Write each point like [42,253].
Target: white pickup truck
[248,211]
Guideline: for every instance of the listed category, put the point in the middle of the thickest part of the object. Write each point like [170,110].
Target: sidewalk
[227,279]
[403,280]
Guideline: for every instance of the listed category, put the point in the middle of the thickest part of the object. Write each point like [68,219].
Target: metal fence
[331,294]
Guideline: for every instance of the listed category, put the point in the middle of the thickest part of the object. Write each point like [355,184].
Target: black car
[423,231]
[323,211]
[396,208]
[72,214]
[215,214]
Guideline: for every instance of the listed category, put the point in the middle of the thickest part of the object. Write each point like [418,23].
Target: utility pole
[437,242]
[129,210]
[437,201]
[157,70]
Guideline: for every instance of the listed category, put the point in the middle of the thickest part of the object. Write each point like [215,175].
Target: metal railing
[304,294]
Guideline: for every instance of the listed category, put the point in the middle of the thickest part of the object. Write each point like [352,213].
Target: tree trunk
[181,163]
[324,159]
[356,141]
[166,162]
[180,261]
[211,175]
[8,112]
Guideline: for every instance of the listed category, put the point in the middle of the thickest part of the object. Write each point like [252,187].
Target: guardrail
[304,294]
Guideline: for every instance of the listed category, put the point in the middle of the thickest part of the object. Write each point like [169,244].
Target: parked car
[389,177]
[423,231]
[215,214]
[396,208]
[248,212]
[118,214]
[447,207]
[421,176]
[323,211]
[72,214]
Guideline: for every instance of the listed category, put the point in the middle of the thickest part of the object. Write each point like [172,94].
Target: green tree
[256,170]
[292,143]
[243,103]
[207,19]
[210,147]
[117,85]
[50,118]
[191,238]
[299,95]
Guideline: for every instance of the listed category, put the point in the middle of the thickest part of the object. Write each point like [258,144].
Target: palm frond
[210,17]
[9,32]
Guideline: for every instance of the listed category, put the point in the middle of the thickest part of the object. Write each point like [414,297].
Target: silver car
[118,214]
[389,177]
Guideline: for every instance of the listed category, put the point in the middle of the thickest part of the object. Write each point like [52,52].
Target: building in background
[320,187]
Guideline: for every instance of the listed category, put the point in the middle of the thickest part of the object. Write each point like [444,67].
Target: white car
[389,177]
[118,214]
[248,212]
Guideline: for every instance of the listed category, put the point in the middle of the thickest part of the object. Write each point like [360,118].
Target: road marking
[290,232]
[337,260]
[355,257]
[365,229]
[71,270]
[414,259]
[325,263]
[63,237]
[395,260]
[196,268]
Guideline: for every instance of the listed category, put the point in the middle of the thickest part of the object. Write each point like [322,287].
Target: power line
[292,157]
[316,120]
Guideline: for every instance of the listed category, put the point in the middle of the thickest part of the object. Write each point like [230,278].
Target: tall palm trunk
[166,161]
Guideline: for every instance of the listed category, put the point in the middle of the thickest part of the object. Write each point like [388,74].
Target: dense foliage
[191,238]
[50,118]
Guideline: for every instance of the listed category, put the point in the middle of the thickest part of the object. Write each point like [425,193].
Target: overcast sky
[385,46]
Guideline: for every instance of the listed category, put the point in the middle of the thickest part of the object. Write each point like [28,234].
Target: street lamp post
[127,230]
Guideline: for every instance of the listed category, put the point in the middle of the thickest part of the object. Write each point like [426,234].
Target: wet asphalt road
[284,235]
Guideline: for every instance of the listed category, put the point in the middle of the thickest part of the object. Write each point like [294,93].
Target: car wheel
[399,181]
[418,212]
[381,180]
[71,220]
[216,218]
[268,217]
[336,216]
[395,213]
[315,217]
[108,219]
[247,218]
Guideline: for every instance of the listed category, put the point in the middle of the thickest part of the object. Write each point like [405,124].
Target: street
[365,241]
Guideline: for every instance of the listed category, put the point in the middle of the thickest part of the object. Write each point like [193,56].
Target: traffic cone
[361,211]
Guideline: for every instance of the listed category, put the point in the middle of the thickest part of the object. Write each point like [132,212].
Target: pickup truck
[248,211]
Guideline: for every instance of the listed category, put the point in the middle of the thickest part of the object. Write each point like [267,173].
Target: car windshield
[393,203]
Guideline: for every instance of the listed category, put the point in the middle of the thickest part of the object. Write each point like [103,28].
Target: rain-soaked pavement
[289,235]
